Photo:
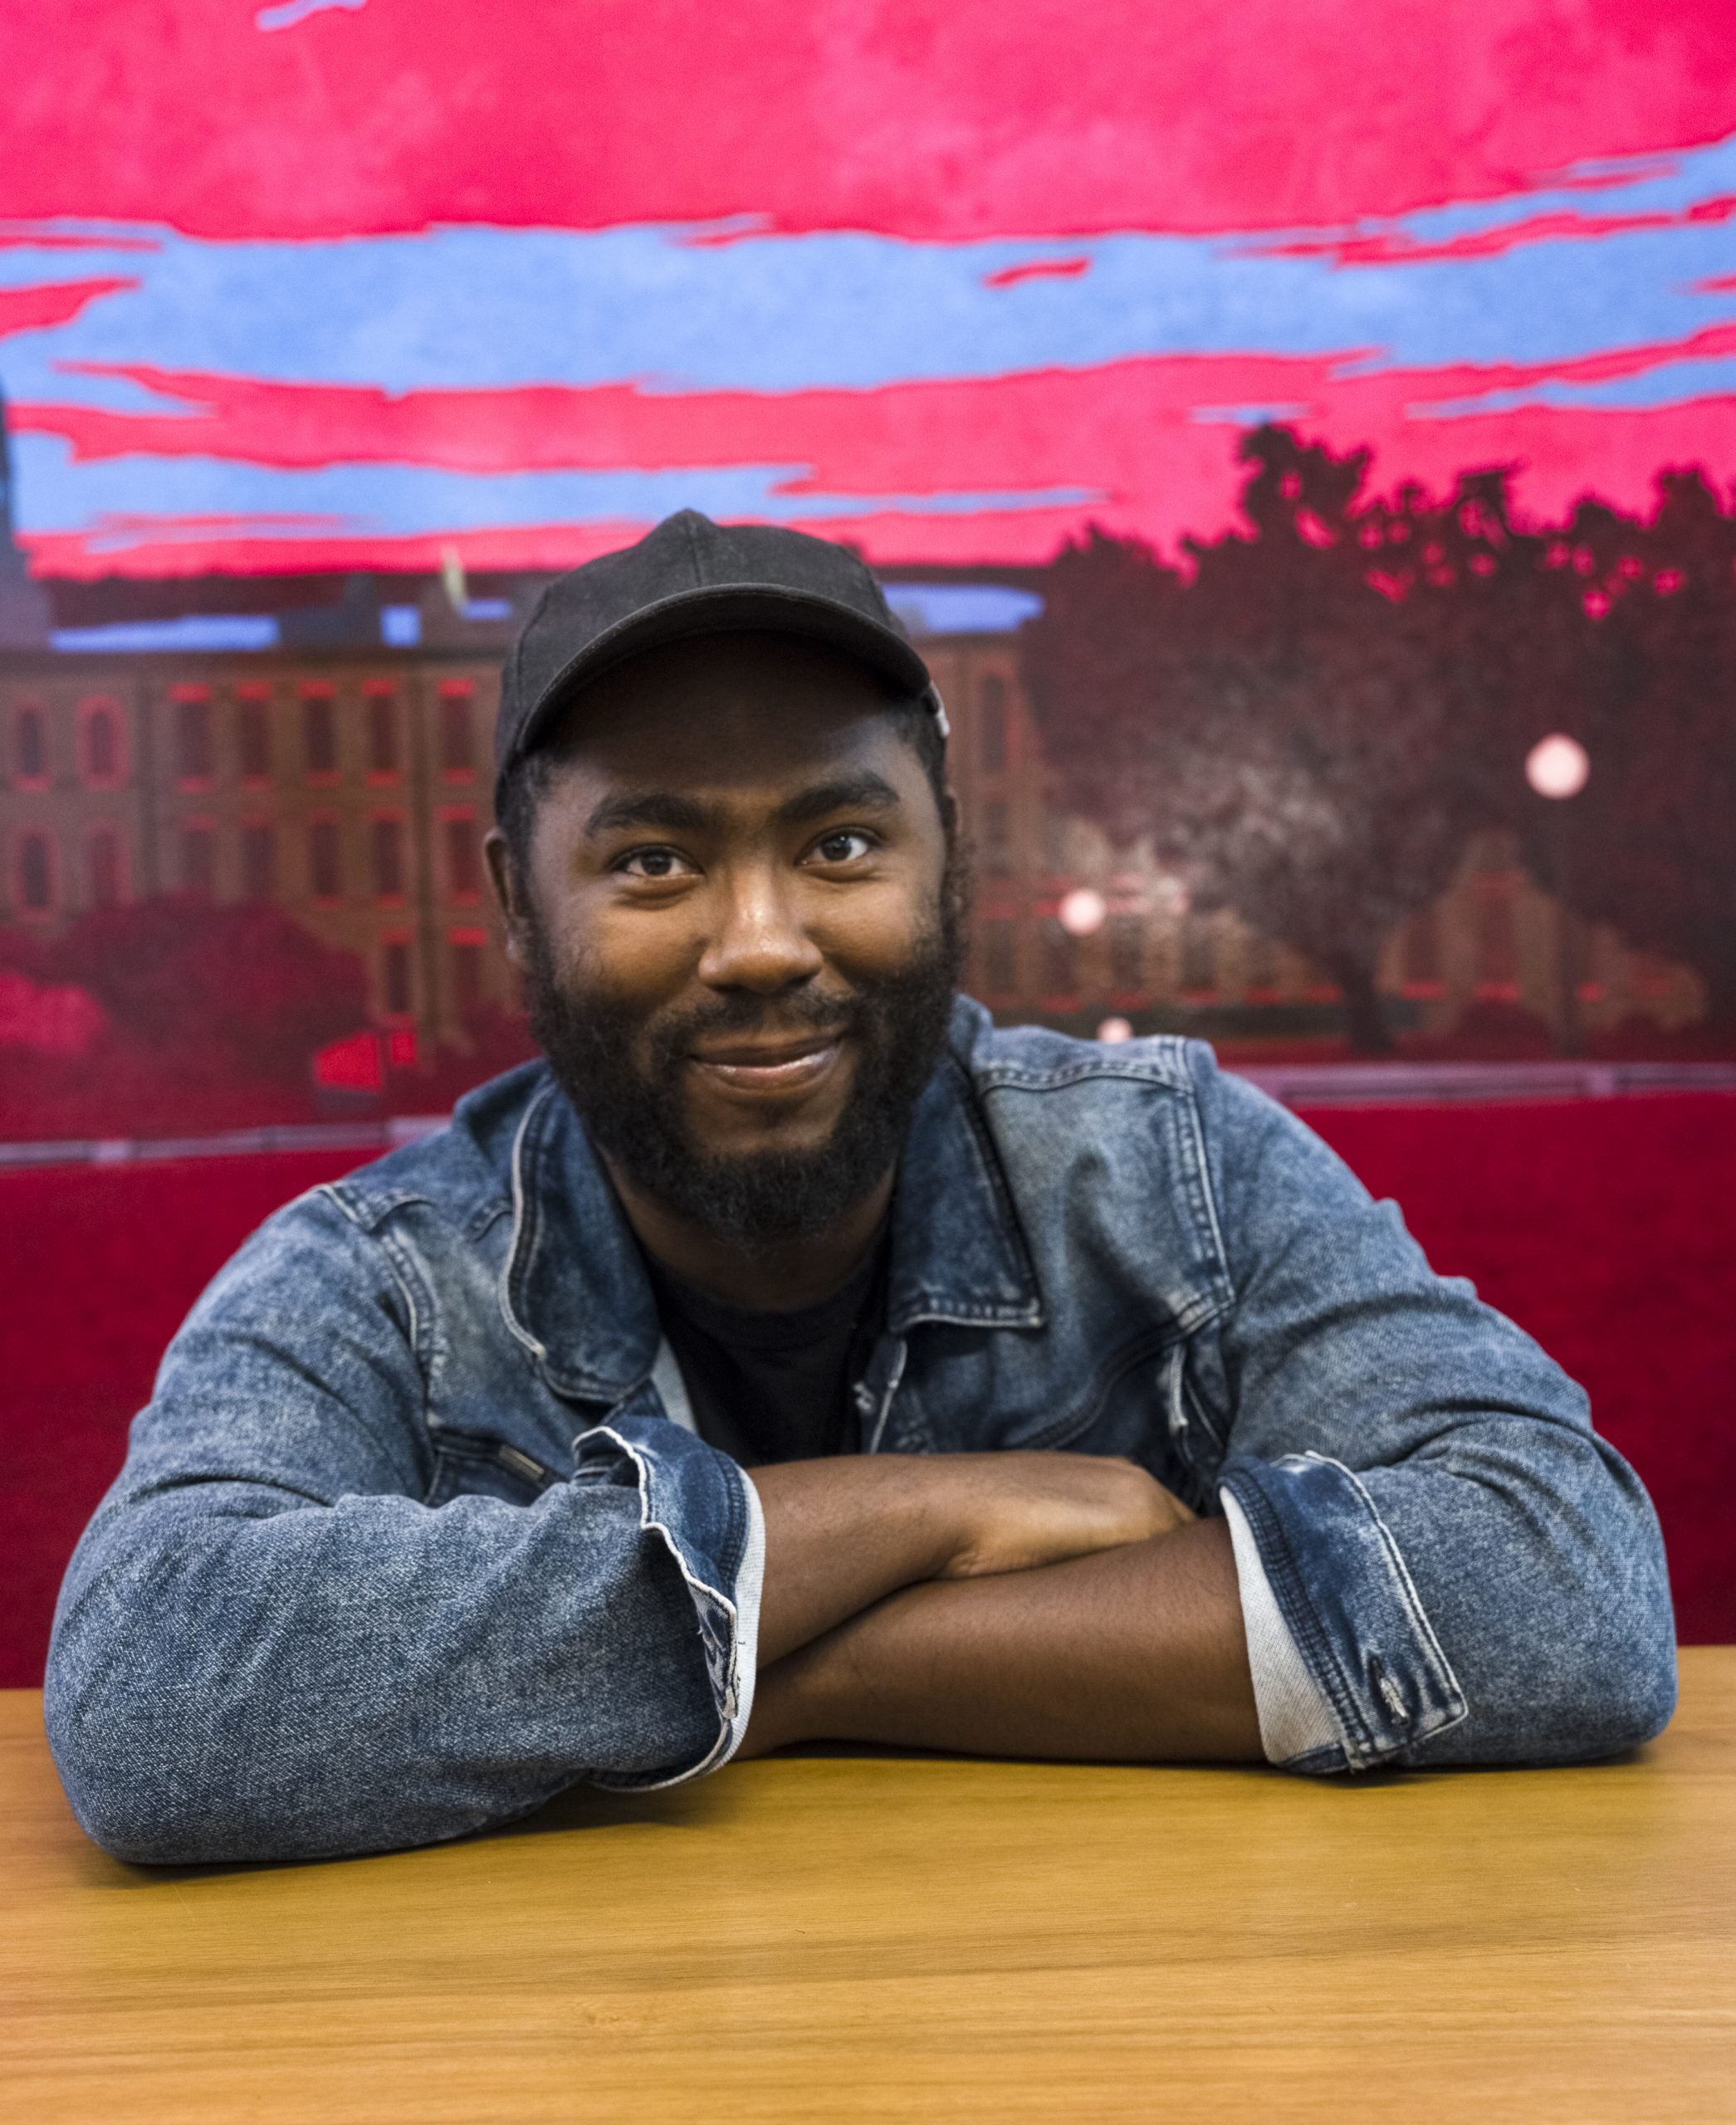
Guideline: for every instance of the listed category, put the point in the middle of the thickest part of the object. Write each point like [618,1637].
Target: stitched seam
[962,1313]
[1202,1180]
[991,1157]
[368,1209]
[1410,1599]
[524,1233]
[1019,1077]
[648,1524]
[997,1180]
[420,1332]
[946,1311]
[412,1326]
[487,1215]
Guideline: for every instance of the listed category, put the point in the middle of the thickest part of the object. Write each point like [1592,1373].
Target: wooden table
[849,1936]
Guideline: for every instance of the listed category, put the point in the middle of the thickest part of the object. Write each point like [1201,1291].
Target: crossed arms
[320,1613]
[1053,1604]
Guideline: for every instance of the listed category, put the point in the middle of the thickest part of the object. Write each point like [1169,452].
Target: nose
[758,941]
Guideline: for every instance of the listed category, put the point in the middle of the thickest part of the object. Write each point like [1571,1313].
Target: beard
[625,1080]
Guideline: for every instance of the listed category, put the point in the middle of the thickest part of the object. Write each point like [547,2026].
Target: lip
[771,1065]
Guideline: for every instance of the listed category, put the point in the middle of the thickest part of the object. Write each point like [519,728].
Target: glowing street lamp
[1558,767]
[1082,911]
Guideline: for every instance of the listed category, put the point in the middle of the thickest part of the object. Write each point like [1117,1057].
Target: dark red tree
[246,988]
[1646,681]
[1302,730]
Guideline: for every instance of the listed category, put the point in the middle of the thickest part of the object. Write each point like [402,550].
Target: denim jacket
[407,1541]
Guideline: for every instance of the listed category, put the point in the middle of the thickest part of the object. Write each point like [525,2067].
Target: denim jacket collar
[575,1295]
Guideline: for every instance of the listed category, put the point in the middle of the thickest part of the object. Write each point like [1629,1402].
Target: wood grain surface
[848,1936]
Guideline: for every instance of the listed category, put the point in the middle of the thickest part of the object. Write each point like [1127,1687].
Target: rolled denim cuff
[708,1513]
[1295,1720]
[1352,1610]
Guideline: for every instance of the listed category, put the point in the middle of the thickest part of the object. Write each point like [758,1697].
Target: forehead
[725,710]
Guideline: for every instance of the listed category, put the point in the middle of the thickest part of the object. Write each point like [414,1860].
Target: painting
[1301,438]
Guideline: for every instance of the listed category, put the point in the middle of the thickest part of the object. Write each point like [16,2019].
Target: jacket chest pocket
[1150,1409]
[467,1465]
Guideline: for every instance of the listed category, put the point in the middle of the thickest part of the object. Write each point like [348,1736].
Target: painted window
[463,870]
[36,874]
[394,976]
[192,739]
[100,722]
[258,859]
[458,755]
[325,860]
[29,746]
[467,965]
[382,735]
[387,839]
[320,733]
[254,731]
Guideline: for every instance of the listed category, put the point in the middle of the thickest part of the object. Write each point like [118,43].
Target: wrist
[781,1716]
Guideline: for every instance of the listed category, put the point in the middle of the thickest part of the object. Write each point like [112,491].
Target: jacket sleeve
[267,1647]
[1469,1573]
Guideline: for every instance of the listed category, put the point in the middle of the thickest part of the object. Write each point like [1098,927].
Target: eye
[654,863]
[845,845]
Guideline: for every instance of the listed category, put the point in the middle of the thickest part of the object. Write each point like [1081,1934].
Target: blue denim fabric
[405,1542]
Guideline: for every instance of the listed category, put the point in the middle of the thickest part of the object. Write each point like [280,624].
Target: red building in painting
[350,783]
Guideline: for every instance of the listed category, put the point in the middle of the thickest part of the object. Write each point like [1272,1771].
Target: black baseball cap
[692,577]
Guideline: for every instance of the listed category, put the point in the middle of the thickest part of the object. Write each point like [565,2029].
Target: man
[794,1355]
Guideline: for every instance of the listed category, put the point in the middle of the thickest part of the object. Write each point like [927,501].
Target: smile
[772,1066]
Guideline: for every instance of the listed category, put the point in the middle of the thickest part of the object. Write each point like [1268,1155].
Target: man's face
[737,929]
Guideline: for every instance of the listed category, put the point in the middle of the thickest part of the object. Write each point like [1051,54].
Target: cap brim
[728,609]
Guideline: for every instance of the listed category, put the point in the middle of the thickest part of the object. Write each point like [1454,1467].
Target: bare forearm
[1135,1654]
[839,1536]
[843,1534]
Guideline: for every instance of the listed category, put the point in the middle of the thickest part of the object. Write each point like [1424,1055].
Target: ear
[511,893]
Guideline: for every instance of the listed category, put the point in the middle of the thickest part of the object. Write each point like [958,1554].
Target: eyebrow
[867,792]
[670,809]
[651,807]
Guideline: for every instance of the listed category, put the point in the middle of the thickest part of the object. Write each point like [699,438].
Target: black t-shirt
[774,1386]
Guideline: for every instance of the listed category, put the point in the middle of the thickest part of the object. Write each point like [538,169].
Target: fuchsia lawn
[1607,1228]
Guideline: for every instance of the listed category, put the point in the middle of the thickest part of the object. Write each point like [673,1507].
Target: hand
[1017,1511]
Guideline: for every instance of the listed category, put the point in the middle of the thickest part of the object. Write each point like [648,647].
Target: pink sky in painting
[952,280]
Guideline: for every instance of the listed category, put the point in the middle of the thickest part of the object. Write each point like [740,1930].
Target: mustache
[804,1011]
